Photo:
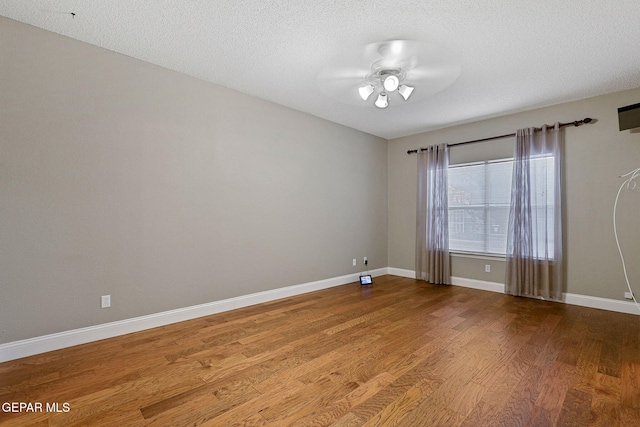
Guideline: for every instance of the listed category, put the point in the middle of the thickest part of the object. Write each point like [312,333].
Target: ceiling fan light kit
[390,83]
[366,91]
[380,69]
[382,101]
[405,91]
[389,79]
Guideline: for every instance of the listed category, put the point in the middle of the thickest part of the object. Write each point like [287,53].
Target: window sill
[475,255]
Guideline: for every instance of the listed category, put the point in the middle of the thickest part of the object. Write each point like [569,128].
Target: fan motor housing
[380,73]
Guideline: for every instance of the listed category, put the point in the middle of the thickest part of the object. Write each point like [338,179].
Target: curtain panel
[432,224]
[534,255]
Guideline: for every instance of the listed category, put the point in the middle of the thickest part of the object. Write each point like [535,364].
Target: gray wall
[596,154]
[119,177]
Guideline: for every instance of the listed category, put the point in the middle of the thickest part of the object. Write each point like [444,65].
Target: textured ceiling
[515,55]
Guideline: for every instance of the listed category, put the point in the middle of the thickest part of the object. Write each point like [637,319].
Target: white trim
[478,284]
[45,343]
[572,299]
[401,272]
[601,303]
[488,257]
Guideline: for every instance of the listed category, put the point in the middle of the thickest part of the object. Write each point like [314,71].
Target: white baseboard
[401,272]
[43,344]
[573,299]
[29,347]
[477,284]
[601,303]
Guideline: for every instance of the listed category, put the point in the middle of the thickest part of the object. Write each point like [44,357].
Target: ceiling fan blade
[405,53]
[435,72]
[344,72]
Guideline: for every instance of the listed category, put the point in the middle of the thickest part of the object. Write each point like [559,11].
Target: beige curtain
[432,224]
[534,238]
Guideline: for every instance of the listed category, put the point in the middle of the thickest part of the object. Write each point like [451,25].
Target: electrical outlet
[628,295]
[487,268]
[354,262]
[105,301]
[366,261]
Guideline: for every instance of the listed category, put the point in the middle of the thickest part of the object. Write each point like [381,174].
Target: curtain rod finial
[585,121]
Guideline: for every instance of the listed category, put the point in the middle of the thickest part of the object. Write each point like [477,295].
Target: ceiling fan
[411,68]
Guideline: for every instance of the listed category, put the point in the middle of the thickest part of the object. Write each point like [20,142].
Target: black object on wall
[629,117]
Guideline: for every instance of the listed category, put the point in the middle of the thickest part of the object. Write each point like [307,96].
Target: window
[479,203]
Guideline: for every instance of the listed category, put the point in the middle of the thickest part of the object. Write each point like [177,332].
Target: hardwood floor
[401,352]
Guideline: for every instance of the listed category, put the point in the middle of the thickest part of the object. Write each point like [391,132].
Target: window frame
[486,207]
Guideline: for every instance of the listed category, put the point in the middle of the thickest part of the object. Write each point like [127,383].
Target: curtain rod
[576,123]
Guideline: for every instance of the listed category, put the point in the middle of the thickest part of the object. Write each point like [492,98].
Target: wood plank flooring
[398,353]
